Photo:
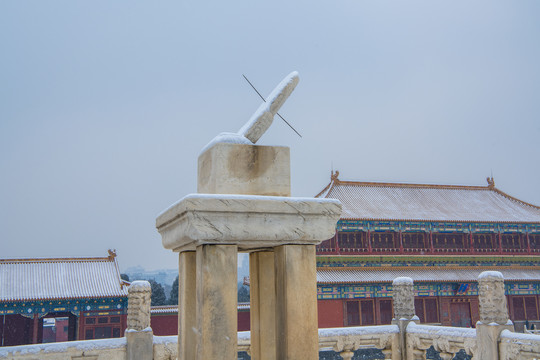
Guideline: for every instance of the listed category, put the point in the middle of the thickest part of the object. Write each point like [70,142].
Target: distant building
[442,236]
[47,300]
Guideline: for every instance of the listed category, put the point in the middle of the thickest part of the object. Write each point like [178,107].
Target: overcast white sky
[104,105]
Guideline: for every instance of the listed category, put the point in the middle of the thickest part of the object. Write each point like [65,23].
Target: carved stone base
[140,345]
[487,340]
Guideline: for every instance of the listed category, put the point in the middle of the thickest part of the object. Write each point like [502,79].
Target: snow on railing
[447,340]
[102,349]
[346,340]
[517,346]
[244,341]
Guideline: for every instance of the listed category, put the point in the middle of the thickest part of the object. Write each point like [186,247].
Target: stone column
[296,302]
[262,305]
[139,335]
[493,315]
[403,296]
[217,302]
[187,295]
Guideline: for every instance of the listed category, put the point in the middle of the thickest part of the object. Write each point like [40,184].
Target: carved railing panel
[446,340]
[346,341]
[432,354]
[517,346]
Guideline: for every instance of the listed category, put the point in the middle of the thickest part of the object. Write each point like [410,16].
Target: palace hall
[61,299]
[442,236]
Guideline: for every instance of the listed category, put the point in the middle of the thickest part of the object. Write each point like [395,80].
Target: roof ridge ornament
[112,254]
[491,182]
[334,176]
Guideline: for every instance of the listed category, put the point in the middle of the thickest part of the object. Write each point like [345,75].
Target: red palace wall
[330,313]
[15,330]
[243,321]
[167,324]
[164,324]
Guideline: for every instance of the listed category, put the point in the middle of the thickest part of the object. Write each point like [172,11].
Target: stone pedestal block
[296,302]
[187,301]
[487,340]
[228,168]
[140,345]
[216,302]
[262,305]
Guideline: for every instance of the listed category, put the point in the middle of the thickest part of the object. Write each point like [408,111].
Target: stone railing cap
[140,285]
[403,280]
[494,275]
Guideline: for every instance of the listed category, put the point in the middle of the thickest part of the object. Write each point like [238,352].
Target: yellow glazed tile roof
[393,201]
[64,278]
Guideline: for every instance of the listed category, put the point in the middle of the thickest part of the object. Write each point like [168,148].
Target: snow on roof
[61,278]
[172,309]
[421,202]
[164,309]
[381,275]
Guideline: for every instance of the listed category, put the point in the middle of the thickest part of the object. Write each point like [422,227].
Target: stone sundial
[232,163]
[243,203]
[262,118]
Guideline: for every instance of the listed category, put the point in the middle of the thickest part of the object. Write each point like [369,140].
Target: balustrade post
[493,315]
[139,336]
[403,296]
